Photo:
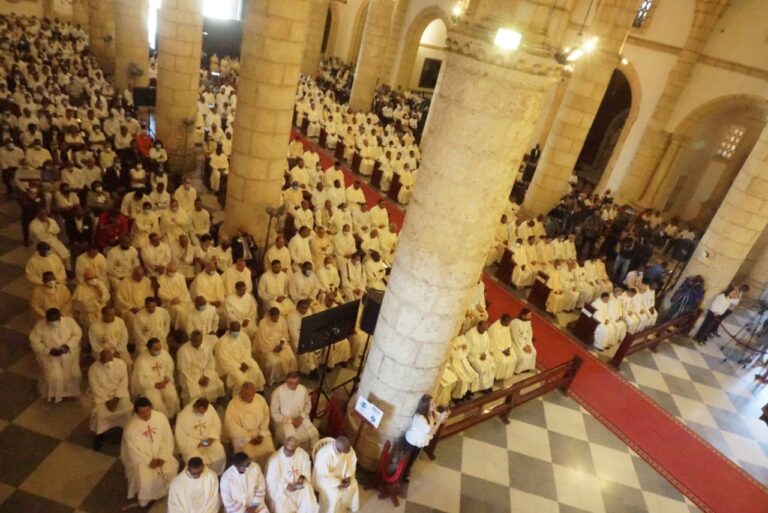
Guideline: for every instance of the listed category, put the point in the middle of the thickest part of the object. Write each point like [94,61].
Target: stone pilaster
[313,47]
[655,140]
[131,46]
[272,49]
[393,40]
[738,223]
[180,31]
[81,15]
[757,279]
[662,174]
[372,53]
[580,103]
[102,33]
[485,107]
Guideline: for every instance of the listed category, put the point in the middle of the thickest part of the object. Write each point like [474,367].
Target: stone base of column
[183,163]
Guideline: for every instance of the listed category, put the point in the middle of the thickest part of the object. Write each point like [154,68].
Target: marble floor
[552,457]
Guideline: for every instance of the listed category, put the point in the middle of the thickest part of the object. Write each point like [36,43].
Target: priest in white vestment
[628,303]
[288,480]
[272,347]
[151,321]
[480,356]
[209,284]
[92,261]
[235,361]
[55,341]
[194,490]
[605,332]
[243,487]
[153,378]
[246,424]
[616,313]
[273,289]
[334,477]
[108,381]
[132,293]
[156,255]
[304,284]
[278,251]
[197,370]
[238,272]
[522,336]
[110,333]
[467,377]
[299,248]
[51,294]
[173,292]
[121,261]
[290,405]
[42,261]
[198,435]
[203,317]
[501,347]
[147,453]
[353,279]
[90,296]
[241,307]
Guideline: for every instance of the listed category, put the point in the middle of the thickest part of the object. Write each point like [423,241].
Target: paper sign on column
[369,411]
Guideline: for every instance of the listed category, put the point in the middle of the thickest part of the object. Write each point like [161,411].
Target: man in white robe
[151,321]
[173,292]
[458,362]
[132,293]
[194,490]
[288,474]
[44,229]
[152,378]
[155,255]
[238,272]
[198,435]
[51,294]
[197,370]
[628,303]
[246,424]
[616,313]
[235,361]
[299,248]
[304,284]
[209,285]
[241,307]
[343,245]
[147,453]
[353,278]
[523,274]
[55,341]
[202,317]
[648,313]
[108,381]
[522,336]
[273,289]
[90,296]
[110,333]
[290,405]
[480,356]
[334,477]
[121,261]
[243,487]
[501,347]
[43,261]
[605,332]
[272,347]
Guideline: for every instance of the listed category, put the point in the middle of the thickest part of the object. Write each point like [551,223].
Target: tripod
[355,380]
[753,329]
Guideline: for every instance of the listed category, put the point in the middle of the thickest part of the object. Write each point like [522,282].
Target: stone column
[580,103]
[131,45]
[757,279]
[313,47]
[662,174]
[372,52]
[102,33]
[655,140]
[738,223]
[180,36]
[483,113]
[393,41]
[80,15]
[272,49]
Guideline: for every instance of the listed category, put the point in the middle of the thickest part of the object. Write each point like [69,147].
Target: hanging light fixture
[508,39]
[587,45]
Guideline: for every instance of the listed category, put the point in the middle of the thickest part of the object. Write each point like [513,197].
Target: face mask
[92,281]
[147,211]
[307,273]
[198,414]
[171,275]
[154,353]
[200,308]
[234,334]
[294,187]
[99,189]
[54,324]
[50,284]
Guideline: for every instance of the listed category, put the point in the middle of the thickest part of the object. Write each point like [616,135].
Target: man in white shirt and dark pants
[717,308]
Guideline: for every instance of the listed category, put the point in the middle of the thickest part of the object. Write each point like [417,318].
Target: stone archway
[357,33]
[411,42]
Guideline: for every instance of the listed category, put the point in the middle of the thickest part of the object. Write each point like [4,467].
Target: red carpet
[698,470]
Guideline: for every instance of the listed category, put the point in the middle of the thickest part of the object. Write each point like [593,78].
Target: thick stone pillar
[483,113]
[272,49]
[738,223]
[757,279]
[393,41]
[655,140]
[102,33]
[580,103]
[131,45]
[313,47]
[662,174]
[180,36]
[372,53]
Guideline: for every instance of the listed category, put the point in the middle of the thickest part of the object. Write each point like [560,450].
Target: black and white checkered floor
[552,457]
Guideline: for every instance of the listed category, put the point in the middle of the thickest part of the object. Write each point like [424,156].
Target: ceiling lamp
[508,39]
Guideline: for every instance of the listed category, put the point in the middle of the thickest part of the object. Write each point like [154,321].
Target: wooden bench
[584,327]
[394,188]
[305,126]
[506,266]
[322,138]
[651,337]
[338,153]
[376,175]
[539,291]
[356,161]
[500,402]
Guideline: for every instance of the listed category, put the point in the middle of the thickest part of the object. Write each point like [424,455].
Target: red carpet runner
[698,470]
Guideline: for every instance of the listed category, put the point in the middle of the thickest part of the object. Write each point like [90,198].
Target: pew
[295,118]
[584,327]
[539,291]
[356,160]
[376,175]
[322,138]
[394,188]
[338,154]
[506,266]
[305,126]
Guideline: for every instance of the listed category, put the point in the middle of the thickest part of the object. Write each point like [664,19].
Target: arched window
[642,13]
[731,141]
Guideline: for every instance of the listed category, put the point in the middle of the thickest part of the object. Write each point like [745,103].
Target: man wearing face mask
[45,229]
[235,361]
[55,341]
[152,321]
[299,248]
[147,453]
[156,255]
[90,296]
[210,285]
[121,260]
[272,348]
[173,292]
[304,285]
[241,307]
[108,381]
[243,488]
[152,377]
[197,368]
[175,222]
[50,294]
[195,489]
[198,435]
[37,155]
[292,197]
[131,294]
[353,279]
[273,290]
[42,261]
[10,159]
[110,333]
[186,195]
[203,317]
